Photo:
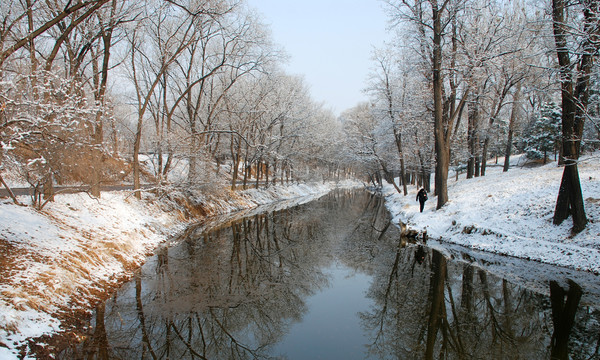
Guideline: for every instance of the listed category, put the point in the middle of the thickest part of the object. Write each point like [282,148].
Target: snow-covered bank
[77,248]
[511,213]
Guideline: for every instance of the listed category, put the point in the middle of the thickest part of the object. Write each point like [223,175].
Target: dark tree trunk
[167,165]
[508,83]
[570,199]
[563,317]
[472,136]
[259,172]
[388,176]
[511,127]
[445,112]
[484,152]
[575,99]
[467,288]
[442,153]
[236,156]
[266,170]
[398,137]
[436,310]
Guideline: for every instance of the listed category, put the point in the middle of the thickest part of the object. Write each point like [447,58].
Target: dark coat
[422,195]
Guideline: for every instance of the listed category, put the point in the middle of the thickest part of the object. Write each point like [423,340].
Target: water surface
[333,279]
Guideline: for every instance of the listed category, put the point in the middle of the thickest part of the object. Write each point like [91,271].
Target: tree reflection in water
[443,309]
[234,291]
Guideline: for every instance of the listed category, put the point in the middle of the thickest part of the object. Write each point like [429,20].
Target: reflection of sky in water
[331,328]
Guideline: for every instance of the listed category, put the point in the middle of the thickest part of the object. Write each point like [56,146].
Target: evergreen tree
[545,133]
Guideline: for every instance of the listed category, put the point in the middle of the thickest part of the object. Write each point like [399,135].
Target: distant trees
[361,130]
[265,121]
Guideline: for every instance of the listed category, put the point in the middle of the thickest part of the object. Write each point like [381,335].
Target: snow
[78,247]
[510,213]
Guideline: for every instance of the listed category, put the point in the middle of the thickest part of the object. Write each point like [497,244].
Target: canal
[333,279]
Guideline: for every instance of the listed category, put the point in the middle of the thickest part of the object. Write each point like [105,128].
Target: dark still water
[332,279]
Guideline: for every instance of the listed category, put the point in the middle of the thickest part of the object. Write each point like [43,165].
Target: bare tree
[149,64]
[361,127]
[391,89]
[435,21]
[228,49]
[8,32]
[576,66]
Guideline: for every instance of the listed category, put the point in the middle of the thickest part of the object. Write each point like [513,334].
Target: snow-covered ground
[78,247]
[511,213]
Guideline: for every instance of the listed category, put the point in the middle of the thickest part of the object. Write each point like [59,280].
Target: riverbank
[510,213]
[78,248]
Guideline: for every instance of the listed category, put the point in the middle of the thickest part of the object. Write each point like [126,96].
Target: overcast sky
[329,42]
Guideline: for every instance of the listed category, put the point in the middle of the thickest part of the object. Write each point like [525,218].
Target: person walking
[422,197]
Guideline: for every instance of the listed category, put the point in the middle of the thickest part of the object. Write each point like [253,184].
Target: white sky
[329,42]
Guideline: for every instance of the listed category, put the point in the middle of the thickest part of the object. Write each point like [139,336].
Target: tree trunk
[115,138]
[570,199]
[436,291]
[398,137]
[388,176]
[136,159]
[10,193]
[159,159]
[266,167]
[496,108]
[48,188]
[96,171]
[258,172]
[563,317]
[441,147]
[511,127]
[484,151]
[575,98]
[167,166]
[236,156]
[32,51]
[472,138]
